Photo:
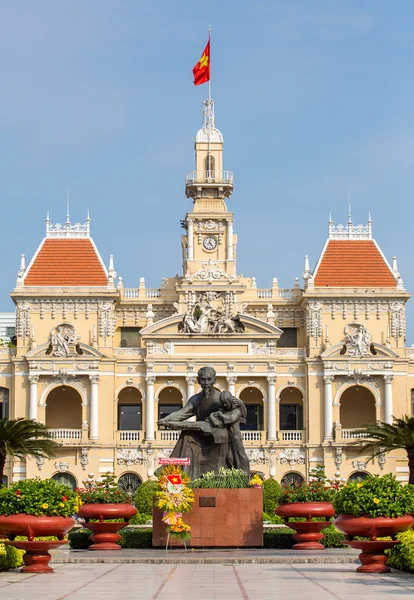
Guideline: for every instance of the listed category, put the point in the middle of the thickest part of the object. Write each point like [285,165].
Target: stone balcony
[291,436]
[69,437]
[349,435]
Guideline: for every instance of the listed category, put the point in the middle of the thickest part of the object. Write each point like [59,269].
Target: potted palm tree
[106,510]
[34,508]
[306,502]
[385,437]
[20,438]
[374,508]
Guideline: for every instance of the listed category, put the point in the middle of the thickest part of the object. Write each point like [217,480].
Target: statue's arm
[231,417]
[184,413]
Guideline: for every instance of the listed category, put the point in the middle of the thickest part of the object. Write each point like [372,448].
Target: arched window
[292,478]
[64,408]
[358,476]
[170,399]
[65,479]
[129,483]
[357,407]
[291,409]
[129,409]
[253,401]
[210,165]
[4,402]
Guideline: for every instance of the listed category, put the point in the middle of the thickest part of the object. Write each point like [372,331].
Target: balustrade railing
[167,436]
[65,434]
[209,177]
[252,436]
[291,435]
[352,434]
[130,435]
[131,293]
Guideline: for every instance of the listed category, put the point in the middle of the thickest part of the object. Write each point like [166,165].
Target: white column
[191,380]
[190,238]
[149,412]
[328,379]
[388,409]
[229,239]
[271,407]
[231,384]
[33,379]
[94,408]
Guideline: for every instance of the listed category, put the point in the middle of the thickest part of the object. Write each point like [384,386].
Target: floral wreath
[174,498]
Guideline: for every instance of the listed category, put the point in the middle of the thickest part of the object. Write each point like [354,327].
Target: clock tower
[209,245]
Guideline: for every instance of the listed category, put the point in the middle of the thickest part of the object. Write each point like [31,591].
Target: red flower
[64,498]
[17,492]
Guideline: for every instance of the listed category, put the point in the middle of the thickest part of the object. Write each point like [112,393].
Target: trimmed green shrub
[278,538]
[144,496]
[130,538]
[140,519]
[402,556]
[333,538]
[10,558]
[274,519]
[272,492]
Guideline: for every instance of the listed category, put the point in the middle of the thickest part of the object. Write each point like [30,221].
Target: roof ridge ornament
[67,230]
[350,231]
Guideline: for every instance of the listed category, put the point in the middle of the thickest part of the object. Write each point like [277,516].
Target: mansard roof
[66,257]
[351,258]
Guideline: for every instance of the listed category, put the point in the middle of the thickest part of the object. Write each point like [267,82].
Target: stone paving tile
[205,582]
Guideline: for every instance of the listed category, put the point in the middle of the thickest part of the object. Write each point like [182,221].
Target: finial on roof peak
[67,207]
[350,231]
[349,208]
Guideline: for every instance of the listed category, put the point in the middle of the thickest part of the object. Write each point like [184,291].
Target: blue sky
[313,98]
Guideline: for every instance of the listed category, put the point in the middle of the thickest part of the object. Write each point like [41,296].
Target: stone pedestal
[220,518]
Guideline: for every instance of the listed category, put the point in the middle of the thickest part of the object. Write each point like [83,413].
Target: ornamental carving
[357,340]
[63,341]
[156,348]
[130,457]
[210,271]
[84,459]
[314,320]
[23,320]
[397,320]
[106,320]
[357,379]
[203,317]
[256,456]
[268,349]
[292,456]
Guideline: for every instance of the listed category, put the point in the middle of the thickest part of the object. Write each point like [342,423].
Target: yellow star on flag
[204,60]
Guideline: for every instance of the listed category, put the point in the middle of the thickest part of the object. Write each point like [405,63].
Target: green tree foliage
[384,437]
[144,496]
[20,438]
[402,556]
[10,558]
[272,492]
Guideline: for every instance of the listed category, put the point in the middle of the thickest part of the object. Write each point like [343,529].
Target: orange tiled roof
[66,262]
[353,263]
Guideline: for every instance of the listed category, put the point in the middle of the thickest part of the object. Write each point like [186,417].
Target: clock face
[210,242]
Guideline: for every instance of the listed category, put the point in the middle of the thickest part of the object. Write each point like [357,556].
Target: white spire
[349,208]
[67,207]
[111,272]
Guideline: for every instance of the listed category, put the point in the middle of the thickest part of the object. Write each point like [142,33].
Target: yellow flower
[45,505]
[376,501]
[61,505]
[359,485]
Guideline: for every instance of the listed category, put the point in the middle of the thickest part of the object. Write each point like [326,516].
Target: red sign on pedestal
[174,461]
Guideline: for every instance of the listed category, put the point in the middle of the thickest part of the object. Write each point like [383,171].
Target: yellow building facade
[100,364]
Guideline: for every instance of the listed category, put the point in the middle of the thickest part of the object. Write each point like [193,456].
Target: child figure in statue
[226,417]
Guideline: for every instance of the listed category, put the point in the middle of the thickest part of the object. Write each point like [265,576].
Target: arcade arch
[170,399]
[291,409]
[357,407]
[129,409]
[64,408]
[253,401]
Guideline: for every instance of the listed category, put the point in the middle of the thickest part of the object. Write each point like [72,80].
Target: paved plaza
[204,582]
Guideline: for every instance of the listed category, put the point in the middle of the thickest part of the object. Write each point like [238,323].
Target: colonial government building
[99,364]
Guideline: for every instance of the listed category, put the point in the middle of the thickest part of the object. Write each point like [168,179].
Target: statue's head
[206,377]
[226,400]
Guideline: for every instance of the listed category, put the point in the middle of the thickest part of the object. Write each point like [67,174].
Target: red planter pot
[373,555]
[36,557]
[308,534]
[104,535]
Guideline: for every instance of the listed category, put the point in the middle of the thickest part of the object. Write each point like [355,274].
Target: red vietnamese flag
[175,479]
[201,71]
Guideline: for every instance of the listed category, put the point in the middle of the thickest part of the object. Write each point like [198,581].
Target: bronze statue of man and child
[213,440]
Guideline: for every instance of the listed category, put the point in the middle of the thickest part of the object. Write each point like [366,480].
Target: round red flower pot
[104,535]
[36,557]
[308,533]
[373,555]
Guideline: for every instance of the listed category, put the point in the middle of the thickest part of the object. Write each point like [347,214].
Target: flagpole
[209,81]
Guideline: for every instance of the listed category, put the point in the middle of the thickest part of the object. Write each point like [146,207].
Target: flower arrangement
[256,481]
[104,491]
[375,497]
[317,489]
[40,498]
[174,498]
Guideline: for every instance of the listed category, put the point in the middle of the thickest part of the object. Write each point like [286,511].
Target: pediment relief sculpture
[358,342]
[203,316]
[64,342]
